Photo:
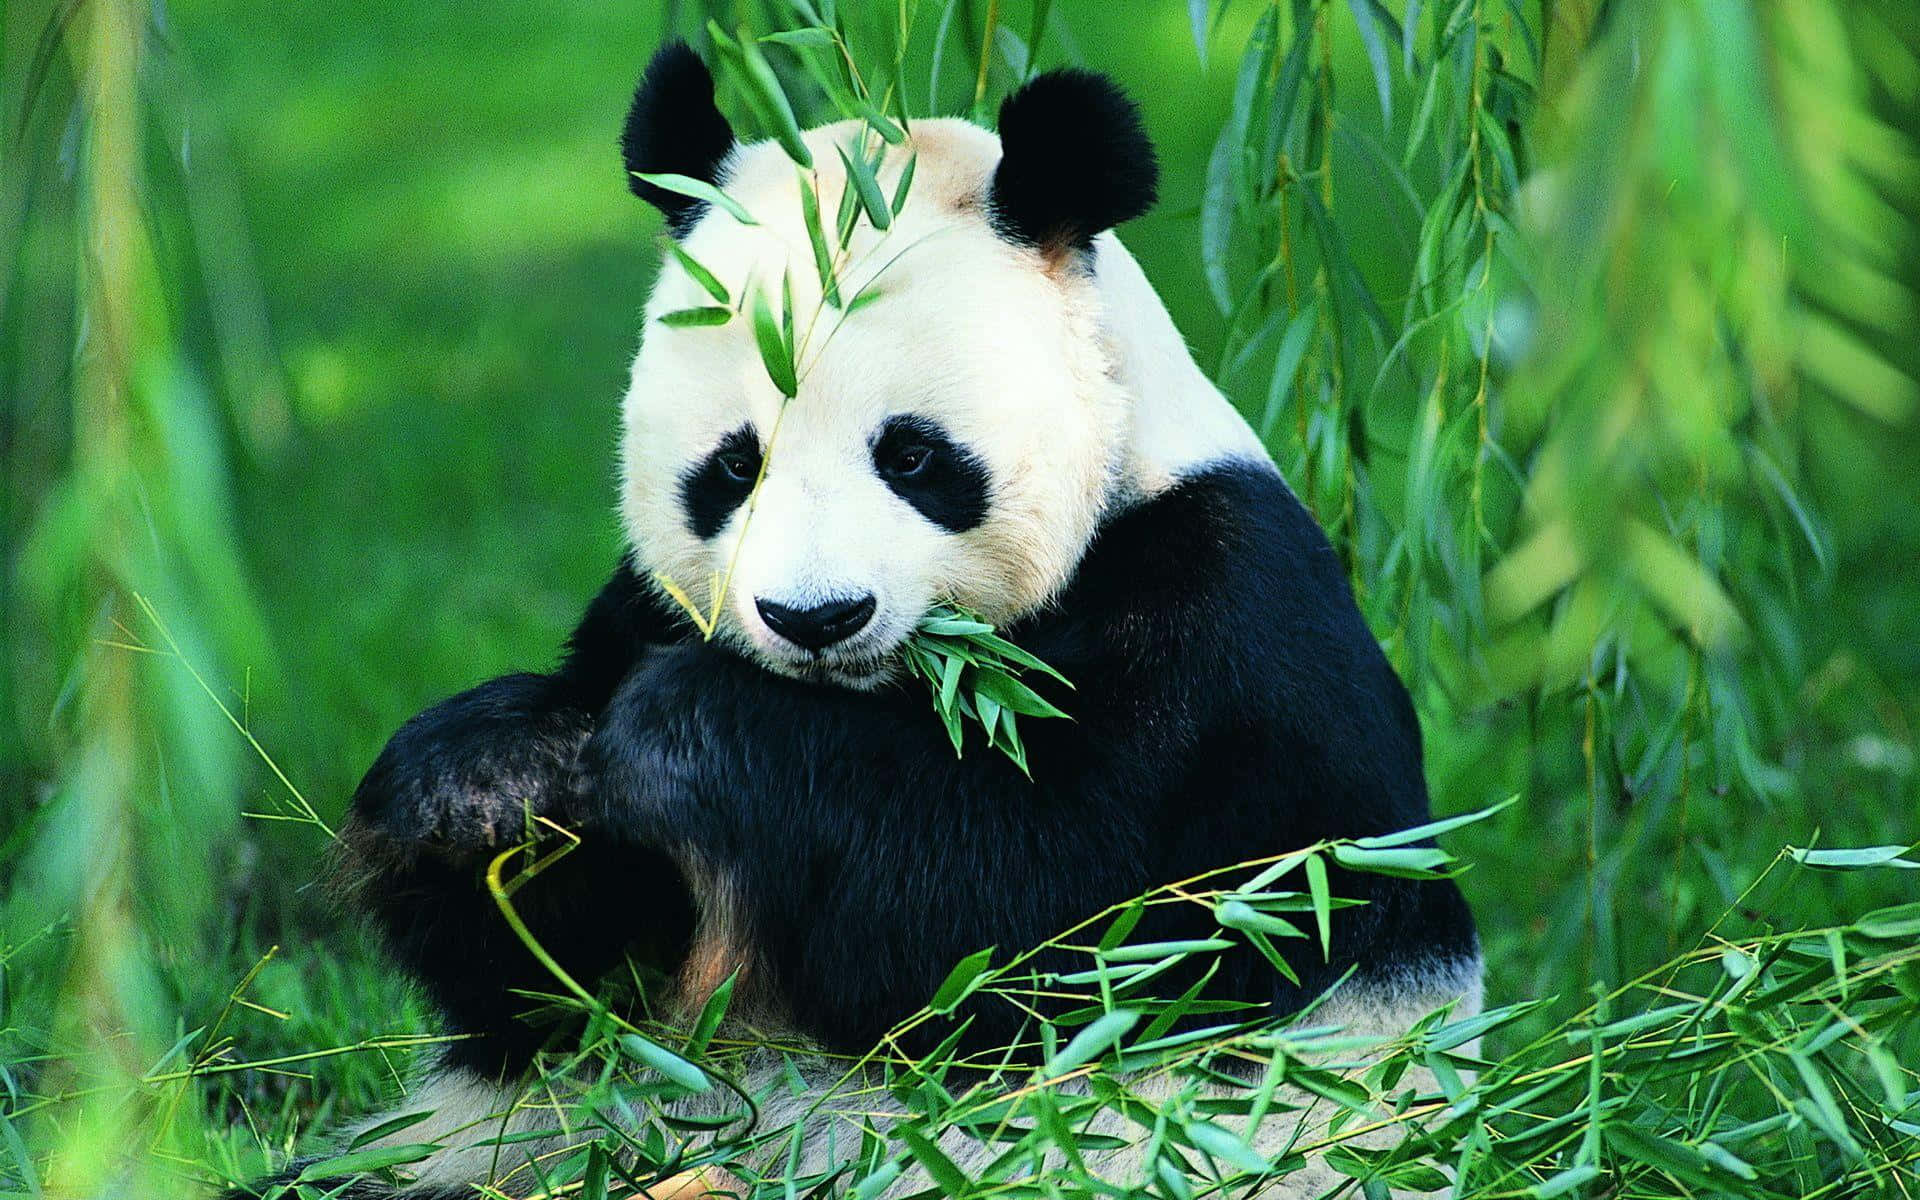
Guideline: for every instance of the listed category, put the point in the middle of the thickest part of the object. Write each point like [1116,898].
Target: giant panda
[1014,424]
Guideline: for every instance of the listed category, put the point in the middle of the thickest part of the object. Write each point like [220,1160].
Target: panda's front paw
[469,775]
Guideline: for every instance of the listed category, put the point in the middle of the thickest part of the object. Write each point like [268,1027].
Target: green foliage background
[1589,338]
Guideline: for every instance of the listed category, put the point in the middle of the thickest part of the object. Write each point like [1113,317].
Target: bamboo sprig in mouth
[974,675]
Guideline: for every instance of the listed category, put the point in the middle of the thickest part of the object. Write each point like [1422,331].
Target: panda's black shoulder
[1226,561]
[1221,599]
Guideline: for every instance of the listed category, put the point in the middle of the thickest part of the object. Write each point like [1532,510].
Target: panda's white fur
[1074,385]
[1071,383]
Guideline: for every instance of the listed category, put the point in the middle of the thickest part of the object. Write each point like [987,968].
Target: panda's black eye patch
[716,485]
[943,480]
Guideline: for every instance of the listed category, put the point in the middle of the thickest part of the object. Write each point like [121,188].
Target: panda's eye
[908,460]
[741,468]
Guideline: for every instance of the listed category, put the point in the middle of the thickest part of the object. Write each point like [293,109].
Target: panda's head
[960,424]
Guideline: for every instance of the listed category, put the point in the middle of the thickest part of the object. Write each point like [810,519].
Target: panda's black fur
[1228,703]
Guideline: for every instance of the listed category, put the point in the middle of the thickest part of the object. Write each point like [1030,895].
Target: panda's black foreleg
[481,773]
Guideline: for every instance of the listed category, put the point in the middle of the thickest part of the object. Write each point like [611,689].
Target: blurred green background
[313,329]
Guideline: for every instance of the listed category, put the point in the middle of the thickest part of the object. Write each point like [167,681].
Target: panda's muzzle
[819,626]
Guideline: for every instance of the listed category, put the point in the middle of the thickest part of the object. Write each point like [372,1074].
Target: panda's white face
[956,438]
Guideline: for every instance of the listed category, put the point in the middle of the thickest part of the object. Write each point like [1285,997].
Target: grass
[360,455]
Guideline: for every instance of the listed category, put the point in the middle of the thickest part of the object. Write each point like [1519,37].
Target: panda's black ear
[1075,161]
[675,128]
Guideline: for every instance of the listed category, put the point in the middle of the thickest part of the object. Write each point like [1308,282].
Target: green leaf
[876,1184]
[1139,951]
[387,1128]
[1331,1086]
[685,318]
[1626,1027]
[1433,829]
[1216,221]
[941,1169]
[1728,1161]
[1422,117]
[775,354]
[770,103]
[961,981]
[904,184]
[952,625]
[665,1061]
[593,1179]
[1676,1158]
[1008,692]
[699,189]
[1007,650]
[1322,903]
[880,122]
[817,238]
[1286,365]
[1010,744]
[867,186]
[1123,923]
[1238,914]
[816,37]
[989,710]
[1899,923]
[1197,20]
[950,718]
[697,272]
[950,674]
[359,1161]
[1865,856]
[1223,1145]
[1413,862]
[1566,1181]
[1820,1106]
[711,1014]
[1375,25]
[1091,1042]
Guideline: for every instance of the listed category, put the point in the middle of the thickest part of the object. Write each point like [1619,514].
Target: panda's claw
[472,773]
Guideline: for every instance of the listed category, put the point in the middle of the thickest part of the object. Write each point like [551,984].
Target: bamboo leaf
[775,353]
[387,1128]
[665,1061]
[813,37]
[967,975]
[1855,859]
[1433,829]
[769,101]
[1322,903]
[867,186]
[903,185]
[1091,1042]
[940,1168]
[1408,862]
[1222,1145]
[817,238]
[1376,27]
[699,189]
[361,1161]
[697,272]
[686,318]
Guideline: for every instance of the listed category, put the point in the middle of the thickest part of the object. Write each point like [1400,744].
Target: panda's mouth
[860,674]
[861,664]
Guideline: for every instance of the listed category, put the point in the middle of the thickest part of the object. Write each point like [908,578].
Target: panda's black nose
[818,627]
